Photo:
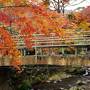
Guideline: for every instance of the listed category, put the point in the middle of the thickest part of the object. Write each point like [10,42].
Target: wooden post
[24,52]
[35,49]
[63,50]
[75,51]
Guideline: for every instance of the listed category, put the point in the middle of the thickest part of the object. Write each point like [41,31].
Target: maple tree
[82,18]
[78,24]
[8,47]
[27,20]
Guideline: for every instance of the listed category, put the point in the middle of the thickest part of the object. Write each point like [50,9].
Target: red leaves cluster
[27,35]
[7,47]
[6,37]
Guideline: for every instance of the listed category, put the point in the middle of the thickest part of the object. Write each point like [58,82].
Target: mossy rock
[75,70]
[76,88]
[80,83]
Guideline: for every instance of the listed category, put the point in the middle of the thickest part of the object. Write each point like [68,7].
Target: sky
[69,7]
[84,4]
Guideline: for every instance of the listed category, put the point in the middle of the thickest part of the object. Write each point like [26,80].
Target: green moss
[25,85]
[75,70]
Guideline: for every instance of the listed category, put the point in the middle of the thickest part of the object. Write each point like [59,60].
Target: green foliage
[11,30]
[71,16]
[25,85]
[1,5]
[75,70]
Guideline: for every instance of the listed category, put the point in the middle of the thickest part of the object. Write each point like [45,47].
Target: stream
[64,84]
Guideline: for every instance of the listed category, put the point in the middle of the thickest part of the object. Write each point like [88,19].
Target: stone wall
[57,60]
[51,60]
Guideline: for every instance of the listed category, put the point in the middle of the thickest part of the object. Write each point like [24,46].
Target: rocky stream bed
[45,78]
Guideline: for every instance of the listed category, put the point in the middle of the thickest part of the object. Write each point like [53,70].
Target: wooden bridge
[79,42]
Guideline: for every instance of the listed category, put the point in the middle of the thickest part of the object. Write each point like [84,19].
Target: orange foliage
[16,59]
[6,37]
[8,48]
[27,21]
[83,15]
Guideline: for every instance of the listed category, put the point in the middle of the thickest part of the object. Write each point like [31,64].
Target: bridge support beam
[76,51]
[23,51]
[63,51]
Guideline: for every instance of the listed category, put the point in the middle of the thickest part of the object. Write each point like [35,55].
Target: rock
[62,88]
[55,82]
[69,85]
[32,89]
[86,73]
[80,83]
[59,80]
[88,81]
[76,88]
[48,81]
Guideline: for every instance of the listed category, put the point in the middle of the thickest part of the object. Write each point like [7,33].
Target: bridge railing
[42,41]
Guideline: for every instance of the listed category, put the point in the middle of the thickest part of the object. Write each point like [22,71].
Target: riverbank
[44,77]
[65,84]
